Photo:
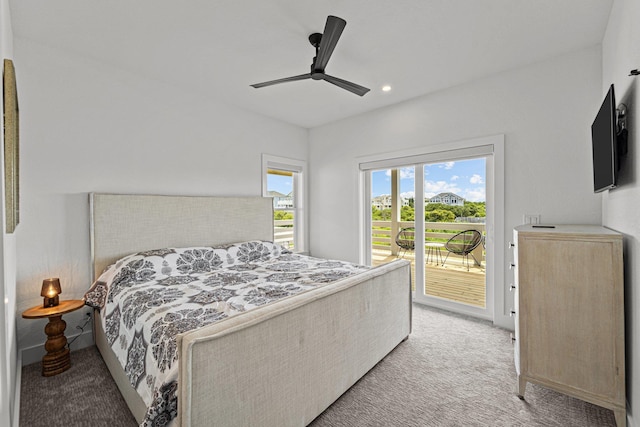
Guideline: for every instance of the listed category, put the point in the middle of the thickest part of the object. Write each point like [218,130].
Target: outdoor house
[447,199]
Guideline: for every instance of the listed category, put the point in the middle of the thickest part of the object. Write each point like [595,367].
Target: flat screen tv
[604,144]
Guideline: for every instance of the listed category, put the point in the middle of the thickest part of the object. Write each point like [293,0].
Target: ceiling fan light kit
[324,44]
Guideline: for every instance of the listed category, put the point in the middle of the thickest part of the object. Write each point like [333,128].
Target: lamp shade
[50,290]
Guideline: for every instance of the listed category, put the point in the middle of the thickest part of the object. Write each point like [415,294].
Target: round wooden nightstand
[57,359]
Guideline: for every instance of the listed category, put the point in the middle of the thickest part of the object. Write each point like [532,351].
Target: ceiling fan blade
[351,87]
[332,31]
[285,80]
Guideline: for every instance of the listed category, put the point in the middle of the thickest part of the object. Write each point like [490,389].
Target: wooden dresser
[569,312]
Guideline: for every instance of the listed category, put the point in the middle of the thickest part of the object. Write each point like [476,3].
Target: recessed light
[386,88]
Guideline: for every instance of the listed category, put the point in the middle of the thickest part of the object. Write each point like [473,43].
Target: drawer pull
[512,266]
[513,339]
[512,313]
[512,245]
[512,287]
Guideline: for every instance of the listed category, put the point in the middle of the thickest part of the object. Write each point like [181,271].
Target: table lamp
[50,290]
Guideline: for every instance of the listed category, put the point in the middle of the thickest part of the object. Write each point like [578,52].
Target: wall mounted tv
[604,139]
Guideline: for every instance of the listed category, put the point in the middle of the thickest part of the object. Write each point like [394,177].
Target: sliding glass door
[434,214]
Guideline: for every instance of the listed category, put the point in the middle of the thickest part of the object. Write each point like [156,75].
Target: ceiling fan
[324,44]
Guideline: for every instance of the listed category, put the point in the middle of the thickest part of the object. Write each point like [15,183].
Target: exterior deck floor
[451,281]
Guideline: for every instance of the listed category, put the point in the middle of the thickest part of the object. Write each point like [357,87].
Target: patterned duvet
[147,298]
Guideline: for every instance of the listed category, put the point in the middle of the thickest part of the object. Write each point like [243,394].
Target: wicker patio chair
[462,244]
[406,239]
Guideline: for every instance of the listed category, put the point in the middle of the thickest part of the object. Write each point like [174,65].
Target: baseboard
[35,353]
[504,322]
[16,398]
[84,339]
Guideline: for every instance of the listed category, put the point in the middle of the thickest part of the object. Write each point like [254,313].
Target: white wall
[9,376]
[544,110]
[621,206]
[89,127]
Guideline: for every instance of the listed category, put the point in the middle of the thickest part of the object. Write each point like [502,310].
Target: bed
[277,364]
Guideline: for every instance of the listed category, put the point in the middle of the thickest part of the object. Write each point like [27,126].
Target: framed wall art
[11,147]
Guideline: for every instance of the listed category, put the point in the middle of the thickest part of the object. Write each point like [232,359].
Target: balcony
[451,281]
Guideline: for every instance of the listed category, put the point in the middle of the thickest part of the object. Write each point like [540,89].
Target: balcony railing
[440,232]
[283,232]
[381,234]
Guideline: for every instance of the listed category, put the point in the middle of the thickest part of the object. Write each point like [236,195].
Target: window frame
[298,168]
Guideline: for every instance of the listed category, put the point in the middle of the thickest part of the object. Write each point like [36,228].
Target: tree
[433,206]
[439,215]
[407,213]
[434,212]
[380,214]
[477,209]
[282,215]
[469,209]
[375,213]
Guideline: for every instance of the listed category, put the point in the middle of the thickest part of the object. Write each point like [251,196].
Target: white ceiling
[217,48]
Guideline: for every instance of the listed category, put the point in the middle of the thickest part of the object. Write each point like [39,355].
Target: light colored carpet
[453,371]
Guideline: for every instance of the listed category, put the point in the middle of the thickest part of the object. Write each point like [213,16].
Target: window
[283,180]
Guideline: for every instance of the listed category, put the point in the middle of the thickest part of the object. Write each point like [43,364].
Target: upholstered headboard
[122,224]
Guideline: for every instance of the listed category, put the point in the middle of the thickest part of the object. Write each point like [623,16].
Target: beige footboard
[283,364]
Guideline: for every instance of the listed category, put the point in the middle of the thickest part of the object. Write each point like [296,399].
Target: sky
[279,183]
[466,178]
